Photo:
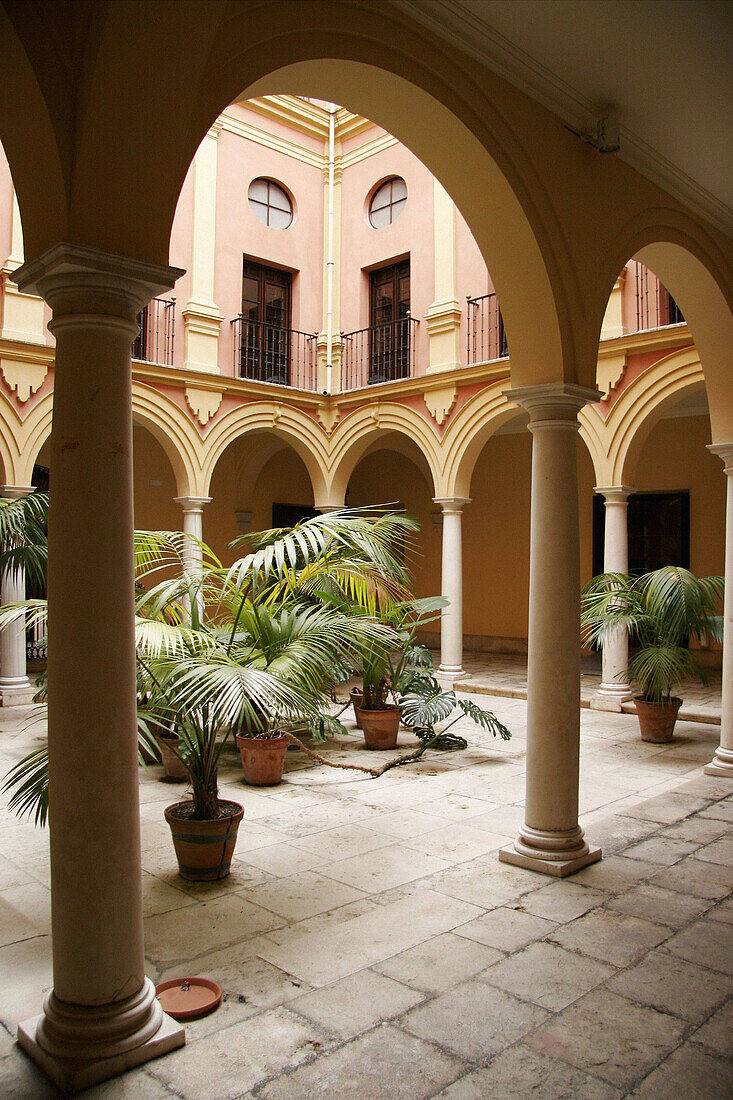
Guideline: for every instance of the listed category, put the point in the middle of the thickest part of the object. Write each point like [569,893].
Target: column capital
[193,504]
[452,504]
[724,451]
[553,402]
[15,492]
[75,279]
[244,520]
[614,494]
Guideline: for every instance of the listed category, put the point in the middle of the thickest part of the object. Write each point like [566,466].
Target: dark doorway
[287,515]
[659,531]
[264,352]
[389,323]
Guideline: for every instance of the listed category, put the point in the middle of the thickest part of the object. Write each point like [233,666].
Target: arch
[33,433]
[638,410]
[297,429]
[363,427]
[173,429]
[10,425]
[468,433]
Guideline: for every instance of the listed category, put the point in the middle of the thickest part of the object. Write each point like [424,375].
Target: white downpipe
[329,257]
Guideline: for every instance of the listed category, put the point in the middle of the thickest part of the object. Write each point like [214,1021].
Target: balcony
[486,339]
[267,353]
[655,306]
[154,342]
[382,353]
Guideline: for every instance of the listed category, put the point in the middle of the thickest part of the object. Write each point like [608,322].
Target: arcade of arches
[109,114]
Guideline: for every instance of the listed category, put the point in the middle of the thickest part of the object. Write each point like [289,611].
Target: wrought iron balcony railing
[154,342]
[382,353]
[267,353]
[486,339]
[655,306]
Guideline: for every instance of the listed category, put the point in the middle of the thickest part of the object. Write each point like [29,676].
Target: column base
[721,764]
[16,691]
[611,696]
[446,675]
[78,1046]
[558,852]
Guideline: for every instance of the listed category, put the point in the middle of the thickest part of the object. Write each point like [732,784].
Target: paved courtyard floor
[370,945]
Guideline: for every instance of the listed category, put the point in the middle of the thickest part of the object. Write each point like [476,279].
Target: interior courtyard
[292,258]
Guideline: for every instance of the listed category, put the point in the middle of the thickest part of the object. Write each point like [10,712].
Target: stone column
[15,687]
[193,528]
[451,617]
[615,686]
[102,1016]
[551,840]
[722,762]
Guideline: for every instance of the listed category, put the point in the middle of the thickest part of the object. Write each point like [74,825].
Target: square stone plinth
[556,868]
[71,1075]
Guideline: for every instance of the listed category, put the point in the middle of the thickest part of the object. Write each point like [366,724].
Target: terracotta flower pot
[174,770]
[357,698]
[263,758]
[656,720]
[204,849]
[380,726]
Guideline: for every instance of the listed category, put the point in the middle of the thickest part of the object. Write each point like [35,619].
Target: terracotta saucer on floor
[188,998]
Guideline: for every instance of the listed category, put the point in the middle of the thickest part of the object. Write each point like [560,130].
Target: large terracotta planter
[263,758]
[656,720]
[204,849]
[357,698]
[380,726]
[174,770]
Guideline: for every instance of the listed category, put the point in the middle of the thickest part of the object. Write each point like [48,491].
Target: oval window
[270,204]
[387,202]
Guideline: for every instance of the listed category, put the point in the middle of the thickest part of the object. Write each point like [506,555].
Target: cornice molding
[299,114]
[250,132]
[635,343]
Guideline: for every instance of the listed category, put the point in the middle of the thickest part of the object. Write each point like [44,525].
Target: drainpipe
[329,256]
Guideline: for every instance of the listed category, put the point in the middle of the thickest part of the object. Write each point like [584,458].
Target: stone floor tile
[303,895]
[547,975]
[364,940]
[231,1062]
[20,1079]
[283,859]
[25,912]
[616,873]
[697,828]
[665,850]
[720,851]
[507,929]
[439,963]
[717,1031]
[695,876]
[707,943]
[520,1072]
[385,1062]
[458,806]
[341,843]
[474,1020]
[612,834]
[668,807]
[610,936]
[401,824]
[130,1086]
[619,1040]
[384,868]
[176,936]
[458,843]
[653,903]
[723,911]
[25,978]
[691,1072]
[162,897]
[356,1004]
[507,820]
[487,882]
[673,985]
[562,901]
[720,811]
[11,874]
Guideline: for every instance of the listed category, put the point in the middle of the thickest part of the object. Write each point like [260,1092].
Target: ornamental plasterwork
[440,402]
[203,403]
[328,415]
[23,377]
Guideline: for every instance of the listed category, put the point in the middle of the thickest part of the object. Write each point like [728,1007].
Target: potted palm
[661,611]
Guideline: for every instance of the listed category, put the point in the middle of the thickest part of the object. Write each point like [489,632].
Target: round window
[387,202]
[270,203]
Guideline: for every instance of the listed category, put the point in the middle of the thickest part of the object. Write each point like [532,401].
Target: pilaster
[201,316]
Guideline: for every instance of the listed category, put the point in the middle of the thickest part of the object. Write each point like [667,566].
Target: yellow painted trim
[290,149]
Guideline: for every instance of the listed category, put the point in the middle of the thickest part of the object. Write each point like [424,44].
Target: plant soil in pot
[656,720]
[204,848]
[263,758]
[380,726]
[174,770]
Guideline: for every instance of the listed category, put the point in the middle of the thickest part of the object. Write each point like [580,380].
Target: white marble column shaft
[722,762]
[551,840]
[102,1016]
[451,617]
[15,687]
[615,686]
[193,528]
